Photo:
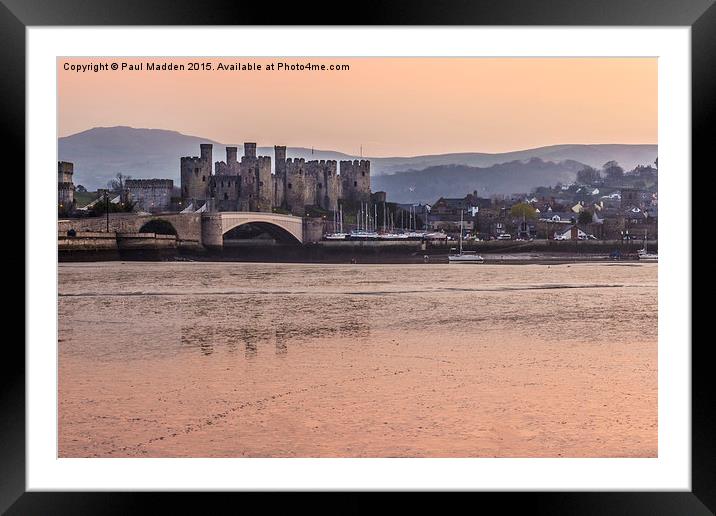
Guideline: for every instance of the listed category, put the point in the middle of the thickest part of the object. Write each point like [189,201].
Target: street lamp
[106,207]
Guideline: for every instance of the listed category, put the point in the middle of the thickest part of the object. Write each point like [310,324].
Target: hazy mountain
[101,152]
[628,156]
[429,184]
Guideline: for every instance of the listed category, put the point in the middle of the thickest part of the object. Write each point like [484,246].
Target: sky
[389,106]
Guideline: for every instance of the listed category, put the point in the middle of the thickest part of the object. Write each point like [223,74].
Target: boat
[645,256]
[337,225]
[363,235]
[393,236]
[463,256]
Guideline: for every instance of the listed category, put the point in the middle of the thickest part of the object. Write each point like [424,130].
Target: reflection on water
[205,338]
[231,359]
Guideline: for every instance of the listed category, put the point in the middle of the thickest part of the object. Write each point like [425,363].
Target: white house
[573,233]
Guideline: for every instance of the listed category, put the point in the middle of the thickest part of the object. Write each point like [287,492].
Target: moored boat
[463,256]
[645,256]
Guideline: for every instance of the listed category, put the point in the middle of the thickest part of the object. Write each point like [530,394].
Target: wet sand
[205,359]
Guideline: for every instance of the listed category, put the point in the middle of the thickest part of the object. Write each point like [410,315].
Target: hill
[101,152]
[427,185]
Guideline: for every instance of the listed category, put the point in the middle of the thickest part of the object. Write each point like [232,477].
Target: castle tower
[279,152]
[65,186]
[196,172]
[355,180]
[249,150]
[295,192]
[206,150]
[331,185]
[264,182]
[65,169]
[279,177]
[231,153]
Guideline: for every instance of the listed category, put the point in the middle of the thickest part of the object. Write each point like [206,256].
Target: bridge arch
[277,231]
[159,226]
[285,228]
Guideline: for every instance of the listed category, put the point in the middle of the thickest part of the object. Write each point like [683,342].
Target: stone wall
[187,225]
[152,195]
[313,229]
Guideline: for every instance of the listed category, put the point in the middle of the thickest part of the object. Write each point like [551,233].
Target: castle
[249,184]
[65,186]
[152,195]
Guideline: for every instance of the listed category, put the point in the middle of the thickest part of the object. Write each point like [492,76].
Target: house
[635,216]
[445,213]
[634,197]
[497,227]
[555,216]
[573,233]
[577,208]
[526,229]
[652,213]
[453,206]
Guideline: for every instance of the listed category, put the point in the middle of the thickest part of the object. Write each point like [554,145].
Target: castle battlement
[356,162]
[149,183]
[296,183]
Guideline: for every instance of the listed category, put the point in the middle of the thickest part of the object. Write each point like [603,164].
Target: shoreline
[414,259]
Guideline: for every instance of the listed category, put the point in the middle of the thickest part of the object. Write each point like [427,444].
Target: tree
[116,185]
[613,170]
[585,217]
[523,210]
[80,189]
[588,176]
[100,207]
[643,171]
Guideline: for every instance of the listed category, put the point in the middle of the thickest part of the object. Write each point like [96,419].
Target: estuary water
[198,359]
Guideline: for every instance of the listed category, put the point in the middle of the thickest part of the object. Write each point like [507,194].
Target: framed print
[417,253]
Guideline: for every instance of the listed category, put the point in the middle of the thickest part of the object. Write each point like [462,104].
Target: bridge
[203,229]
[283,228]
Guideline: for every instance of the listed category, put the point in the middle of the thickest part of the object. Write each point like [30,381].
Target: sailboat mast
[460,231]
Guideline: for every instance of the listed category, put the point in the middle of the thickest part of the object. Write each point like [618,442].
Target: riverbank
[151,247]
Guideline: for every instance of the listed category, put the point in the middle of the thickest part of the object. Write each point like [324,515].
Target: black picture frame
[16,15]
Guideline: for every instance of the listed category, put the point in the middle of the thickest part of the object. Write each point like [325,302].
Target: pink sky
[390,106]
